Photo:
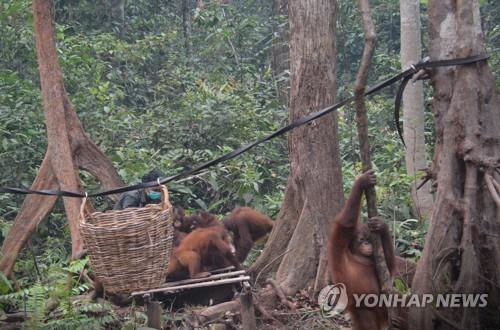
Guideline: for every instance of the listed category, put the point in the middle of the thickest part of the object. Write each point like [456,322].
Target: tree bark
[413,107]
[68,149]
[276,245]
[359,90]
[462,249]
[314,191]
[384,276]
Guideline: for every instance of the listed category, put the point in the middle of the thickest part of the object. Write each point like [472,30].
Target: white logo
[332,300]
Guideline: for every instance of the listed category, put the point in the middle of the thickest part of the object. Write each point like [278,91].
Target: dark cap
[152,176]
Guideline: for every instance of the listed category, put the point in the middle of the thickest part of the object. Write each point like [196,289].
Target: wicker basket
[129,249]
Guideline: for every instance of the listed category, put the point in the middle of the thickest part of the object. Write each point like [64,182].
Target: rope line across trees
[404,77]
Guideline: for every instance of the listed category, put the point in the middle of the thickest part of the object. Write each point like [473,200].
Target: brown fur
[179,216]
[188,223]
[178,237]
[349,266]
[202,249]
[247,226]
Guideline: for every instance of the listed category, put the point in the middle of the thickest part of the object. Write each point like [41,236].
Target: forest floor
[129,314]
[307,315]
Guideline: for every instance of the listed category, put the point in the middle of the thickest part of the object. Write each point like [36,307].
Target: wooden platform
[218,277]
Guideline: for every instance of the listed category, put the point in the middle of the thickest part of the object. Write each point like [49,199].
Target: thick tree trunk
[276,246]
[35,208]
[314,191]
[413,107]
[68,149]
[462,249]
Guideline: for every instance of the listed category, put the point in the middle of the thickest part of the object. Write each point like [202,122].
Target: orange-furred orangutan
[247,226]
[351,258]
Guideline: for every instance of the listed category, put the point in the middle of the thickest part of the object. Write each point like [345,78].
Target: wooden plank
[195,285]
[200,285]
[221,270]
[203,279]
[154,313]
[247,309]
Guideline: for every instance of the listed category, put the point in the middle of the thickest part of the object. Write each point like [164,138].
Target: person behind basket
[139,198]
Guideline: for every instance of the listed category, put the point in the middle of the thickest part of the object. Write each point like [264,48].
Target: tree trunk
[280,60]
[186,26]
[276,245]
[116,10]
[69,148]
[413,107]
[462,249]
[384,276]
[314,191]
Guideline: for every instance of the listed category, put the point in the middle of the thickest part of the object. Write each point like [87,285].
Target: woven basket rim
[132,209]
[104,218]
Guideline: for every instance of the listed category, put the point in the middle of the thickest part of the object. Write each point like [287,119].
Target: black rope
[405,75]
[426,64]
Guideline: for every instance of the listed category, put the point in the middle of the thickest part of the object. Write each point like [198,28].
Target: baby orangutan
[351,259]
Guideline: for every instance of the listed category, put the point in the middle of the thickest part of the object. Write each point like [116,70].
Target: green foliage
[393,185]
[22,133]
[409,236]
[401,287]
[137,320]
[158,92]
[5,285]
[87,316]
[35,304]
[490,18]
[54,303]
[147,103]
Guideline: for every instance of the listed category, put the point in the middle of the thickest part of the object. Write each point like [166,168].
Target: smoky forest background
[172,84]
